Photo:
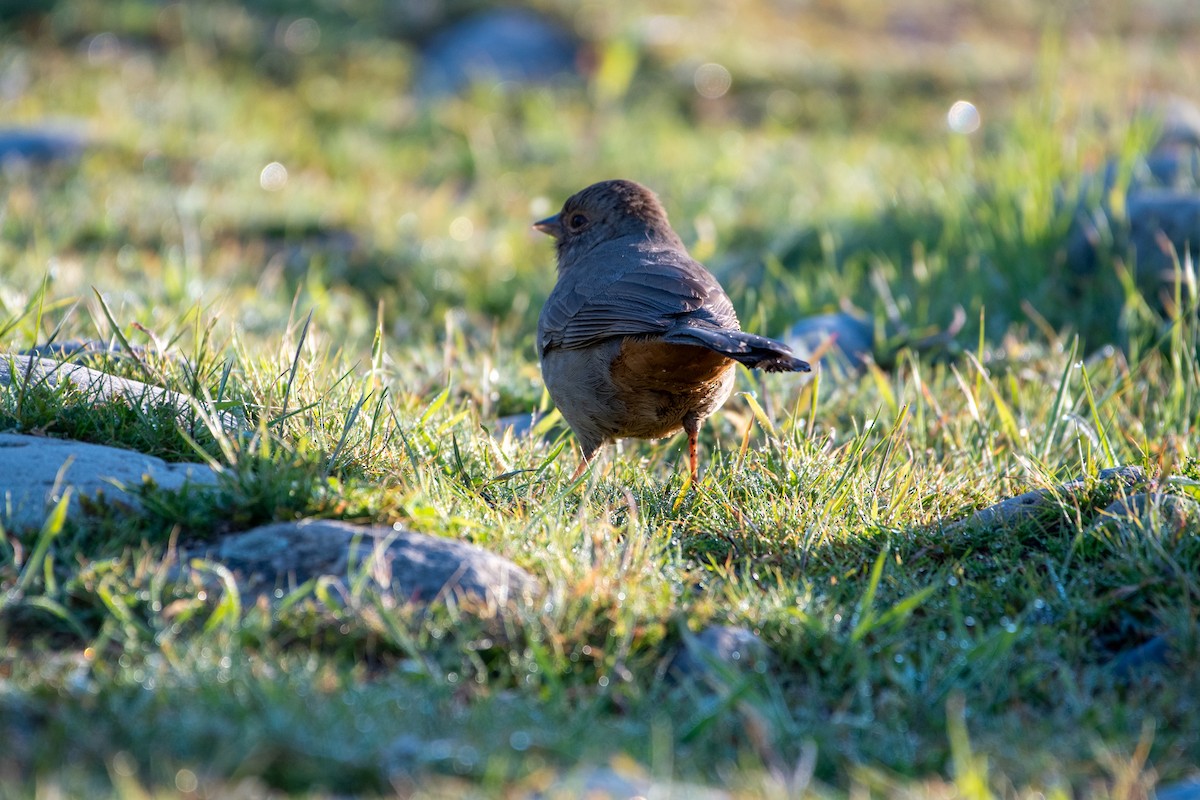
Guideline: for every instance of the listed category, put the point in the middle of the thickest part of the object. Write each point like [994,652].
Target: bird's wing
[651,293]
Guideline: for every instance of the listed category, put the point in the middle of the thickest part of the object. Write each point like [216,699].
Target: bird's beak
[551,226]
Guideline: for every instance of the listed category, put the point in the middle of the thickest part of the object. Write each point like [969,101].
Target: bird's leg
[586,457]
[691,424]
[583,465]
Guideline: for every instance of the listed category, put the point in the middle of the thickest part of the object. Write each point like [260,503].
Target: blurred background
[916,172]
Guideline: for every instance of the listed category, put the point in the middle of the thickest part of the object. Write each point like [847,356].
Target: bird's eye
[577,221]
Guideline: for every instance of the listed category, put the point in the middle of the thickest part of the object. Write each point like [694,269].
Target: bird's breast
[655,365]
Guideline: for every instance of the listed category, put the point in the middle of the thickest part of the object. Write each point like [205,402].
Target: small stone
[1128,665]
[727,645]
[1164,228]
[846,340]
[1041,502]
[1161,513]
[621,782]
[506,45]
[1175,160]
[39,145]
[80,348]
[1161,219]
[98,387]
[1188,789]
[411,566]
[1130,476]
[35,471]
[519,425]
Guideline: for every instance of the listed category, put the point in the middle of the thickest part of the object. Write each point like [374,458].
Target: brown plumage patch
[651,364]
[663,383]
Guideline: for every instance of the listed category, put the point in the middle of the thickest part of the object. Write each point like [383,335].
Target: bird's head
[605,211]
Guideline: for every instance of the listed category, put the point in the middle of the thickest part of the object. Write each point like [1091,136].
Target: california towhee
[637,339]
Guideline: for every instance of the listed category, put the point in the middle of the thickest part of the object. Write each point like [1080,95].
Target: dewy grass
[370,324]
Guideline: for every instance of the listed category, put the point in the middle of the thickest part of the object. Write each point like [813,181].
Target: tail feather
[756,352]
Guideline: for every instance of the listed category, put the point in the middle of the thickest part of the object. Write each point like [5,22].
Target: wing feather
[649,293]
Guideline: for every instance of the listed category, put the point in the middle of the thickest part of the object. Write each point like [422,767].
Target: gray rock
[1174,168]
[35,471]
[1178,120]
[1161,513]
[1174,161]
[1043,502]
[847,340]
[411,566]
[80,348]
[1164,226]
[501,45]
[519,425]
[1129,665]
[17,371]
[1162,202]
[609,783]
[1183,790]
[726,645]
[39,145]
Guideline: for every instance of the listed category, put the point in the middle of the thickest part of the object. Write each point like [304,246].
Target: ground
[257,195]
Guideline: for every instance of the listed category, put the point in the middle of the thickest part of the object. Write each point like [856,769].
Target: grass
[373,321]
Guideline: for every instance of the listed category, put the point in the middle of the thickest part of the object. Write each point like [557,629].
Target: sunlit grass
[372,322]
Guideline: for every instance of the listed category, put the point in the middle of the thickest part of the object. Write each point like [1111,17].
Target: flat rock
[725,645]
[621,782]
[80,349]
[504,45]
[847,341]
[1035,504]
[1178,142]
[1129,665]
[1161,216]
[1164,225]
[412,566]
[1183,790]
[40,145]
[517,425]
[1156,512]
[35,471]
[18,370]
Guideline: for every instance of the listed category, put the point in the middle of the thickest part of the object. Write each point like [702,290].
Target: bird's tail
[756,352]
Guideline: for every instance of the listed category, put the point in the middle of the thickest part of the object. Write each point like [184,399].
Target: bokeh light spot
[462,229]
[274,177]
[302,36]
[103,48]
[963,117]
[186,781]
[712,80]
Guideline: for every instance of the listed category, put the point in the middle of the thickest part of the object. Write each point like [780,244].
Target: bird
[637,339]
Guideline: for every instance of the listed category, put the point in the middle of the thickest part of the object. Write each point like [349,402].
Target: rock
[1175,168]
[501,45]
[39,145]
[1183,790]
[80,348]
[847,341]
[726,645]
[519,425]
[1164,226]
[1162,203]
[1043,502]
[624,780]
[1129,476]
[34,472]
[1175,160]
[99,387]
[410,566]
[1167,514]
[1127,666]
